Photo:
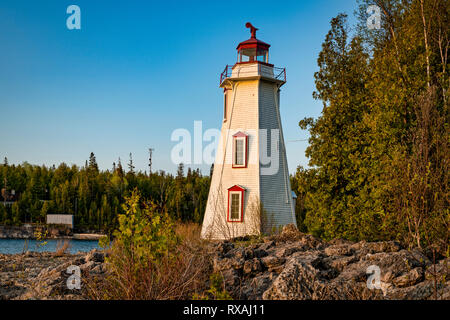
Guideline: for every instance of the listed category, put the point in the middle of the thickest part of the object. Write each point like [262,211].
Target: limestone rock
[293,265]
[410,278]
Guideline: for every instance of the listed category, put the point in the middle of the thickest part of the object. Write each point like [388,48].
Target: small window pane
[262,55]
[261,58]
[247,55]
[225,106]
[239,152]
[235,204]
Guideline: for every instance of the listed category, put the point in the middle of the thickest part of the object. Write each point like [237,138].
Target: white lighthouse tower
[250,189]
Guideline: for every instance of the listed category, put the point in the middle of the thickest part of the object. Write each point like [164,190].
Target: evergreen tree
[93,166]
[130,165]
[180,171]
[380,150]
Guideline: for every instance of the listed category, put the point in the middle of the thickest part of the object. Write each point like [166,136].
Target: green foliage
[95,197]
[104,242]
[379,152]
[145,233]
[147,260]
[144,244]
[41,237]
[216,289]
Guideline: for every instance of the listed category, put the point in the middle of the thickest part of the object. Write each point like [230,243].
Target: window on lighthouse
[262,56]
[253,54]
[240,150]
[235,204]
[225,106]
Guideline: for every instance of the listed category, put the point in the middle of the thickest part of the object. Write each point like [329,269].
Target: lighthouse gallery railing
[278,73]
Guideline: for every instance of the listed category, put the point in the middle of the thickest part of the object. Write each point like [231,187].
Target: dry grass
[189,232]
[62,247]
[179,275]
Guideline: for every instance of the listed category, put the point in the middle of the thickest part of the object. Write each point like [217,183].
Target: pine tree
[180,171]
[130,165]
[93,166]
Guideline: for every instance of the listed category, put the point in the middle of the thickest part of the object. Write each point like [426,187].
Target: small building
[8,197]
[60,219]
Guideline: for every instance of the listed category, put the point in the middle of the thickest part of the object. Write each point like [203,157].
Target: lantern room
[252,61]
[253,50]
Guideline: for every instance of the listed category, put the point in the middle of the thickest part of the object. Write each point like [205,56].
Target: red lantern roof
[253,42]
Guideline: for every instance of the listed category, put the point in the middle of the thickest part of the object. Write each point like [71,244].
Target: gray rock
[299,266]
[298,281]
[259,253]
[95,256]
[272,261]
[231,279]
[253,265]
[267,245]
[339,250]
[410,278]
[287,251]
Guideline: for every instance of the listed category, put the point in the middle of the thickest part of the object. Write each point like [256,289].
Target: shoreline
[88,236]
[27,233]
[291,265]
[44,275]
[76,236]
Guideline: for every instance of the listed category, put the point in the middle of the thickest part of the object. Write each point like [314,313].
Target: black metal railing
[278,73]
[226,73]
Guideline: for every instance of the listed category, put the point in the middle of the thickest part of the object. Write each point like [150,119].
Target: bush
[147,260]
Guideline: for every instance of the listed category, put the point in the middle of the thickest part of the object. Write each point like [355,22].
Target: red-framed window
[235,207]
[240,150]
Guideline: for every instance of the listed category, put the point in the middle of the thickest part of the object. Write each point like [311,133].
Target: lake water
[20,245]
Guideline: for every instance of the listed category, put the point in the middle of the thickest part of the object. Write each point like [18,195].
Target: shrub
[216,290]
[147,260]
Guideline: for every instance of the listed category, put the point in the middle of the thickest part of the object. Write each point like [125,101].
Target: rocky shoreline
[300,267]
[15,232]
[44,275]
[288,266]
[28,232]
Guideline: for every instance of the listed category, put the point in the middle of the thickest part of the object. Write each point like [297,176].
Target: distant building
[60,219]
[8,197]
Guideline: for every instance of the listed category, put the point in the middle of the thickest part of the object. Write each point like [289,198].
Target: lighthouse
[250,190]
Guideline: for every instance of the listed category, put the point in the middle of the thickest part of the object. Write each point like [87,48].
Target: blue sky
[137,70]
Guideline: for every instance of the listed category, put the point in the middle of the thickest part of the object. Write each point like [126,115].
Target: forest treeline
[379,152]
[95,197]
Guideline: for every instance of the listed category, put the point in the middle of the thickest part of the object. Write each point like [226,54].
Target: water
[18,245]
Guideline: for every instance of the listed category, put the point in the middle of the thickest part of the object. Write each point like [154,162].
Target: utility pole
[150,150]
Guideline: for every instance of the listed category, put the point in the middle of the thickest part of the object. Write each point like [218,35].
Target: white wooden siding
[66,219]
[275,189]
[242,116]
[250,106]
